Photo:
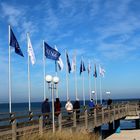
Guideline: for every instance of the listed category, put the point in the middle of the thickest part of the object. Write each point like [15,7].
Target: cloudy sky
[106,32]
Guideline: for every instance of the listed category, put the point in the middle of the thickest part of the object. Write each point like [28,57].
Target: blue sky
[106,32]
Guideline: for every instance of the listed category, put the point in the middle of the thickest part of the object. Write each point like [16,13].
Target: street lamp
[52,82]
[93,92]
[94,95]
[108,93]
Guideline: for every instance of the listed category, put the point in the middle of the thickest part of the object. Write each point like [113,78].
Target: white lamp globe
[55,79]
[93,92]
[108,92]
[48,78]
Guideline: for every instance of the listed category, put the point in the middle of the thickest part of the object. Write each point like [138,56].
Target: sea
[19,108]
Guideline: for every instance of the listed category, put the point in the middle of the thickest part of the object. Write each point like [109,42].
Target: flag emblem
[51,53]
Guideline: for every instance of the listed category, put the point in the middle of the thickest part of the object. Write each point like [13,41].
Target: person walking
[109,103]
[69,108]
[45,108]
[57,106]
[91,106]
[76,107]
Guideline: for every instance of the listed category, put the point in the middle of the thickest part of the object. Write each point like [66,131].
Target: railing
[17,124]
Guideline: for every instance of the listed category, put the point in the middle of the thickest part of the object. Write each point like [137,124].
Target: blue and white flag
[82,67]
[101,71]
[14,43]
[95,71]
[59,62]
[51,53]
[68,63]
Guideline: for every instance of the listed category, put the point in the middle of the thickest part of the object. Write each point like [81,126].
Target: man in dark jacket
[109,102]
[45,109]
[76,107]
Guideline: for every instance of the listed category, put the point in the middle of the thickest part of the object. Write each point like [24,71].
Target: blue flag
[68,63]
[82,67]
[50,52]
[14,43]
[95,71]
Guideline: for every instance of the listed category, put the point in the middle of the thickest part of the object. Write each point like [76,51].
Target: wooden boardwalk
[17,124]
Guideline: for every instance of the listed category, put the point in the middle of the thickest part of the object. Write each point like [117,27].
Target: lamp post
[93,92]
[108,94]
[52,82]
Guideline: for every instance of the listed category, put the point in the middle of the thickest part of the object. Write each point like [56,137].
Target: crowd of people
[70,108]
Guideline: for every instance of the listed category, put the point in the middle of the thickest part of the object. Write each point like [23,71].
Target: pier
[15,125]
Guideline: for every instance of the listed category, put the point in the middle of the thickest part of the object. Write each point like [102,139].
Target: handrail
[99,116]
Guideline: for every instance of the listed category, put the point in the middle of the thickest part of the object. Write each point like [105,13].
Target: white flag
[59,61]
[89,67]
[73,64]
[101,71]
[31,51]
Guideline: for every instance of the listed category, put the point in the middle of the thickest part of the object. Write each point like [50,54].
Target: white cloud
[11,13]
[16,16]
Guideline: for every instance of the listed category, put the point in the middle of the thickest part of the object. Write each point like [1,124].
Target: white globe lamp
[48,78]
[55,80]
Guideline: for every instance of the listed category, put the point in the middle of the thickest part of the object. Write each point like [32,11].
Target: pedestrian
[45,111]
[76,107]
[69,108]
[57,106]
[109,102]
[91,106]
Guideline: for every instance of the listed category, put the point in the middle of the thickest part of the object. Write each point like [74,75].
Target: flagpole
[89,82]
[56,73]
[67,82]
[10,91]
[100,91]
[29,82]
[44,71]
[83,89]
[76,94]
[75,76]
[83,83]
[95,90]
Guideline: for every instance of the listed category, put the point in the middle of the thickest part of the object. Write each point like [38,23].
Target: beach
[125,135]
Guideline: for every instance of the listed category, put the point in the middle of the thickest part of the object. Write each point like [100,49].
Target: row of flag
[52,53]
[72,67]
